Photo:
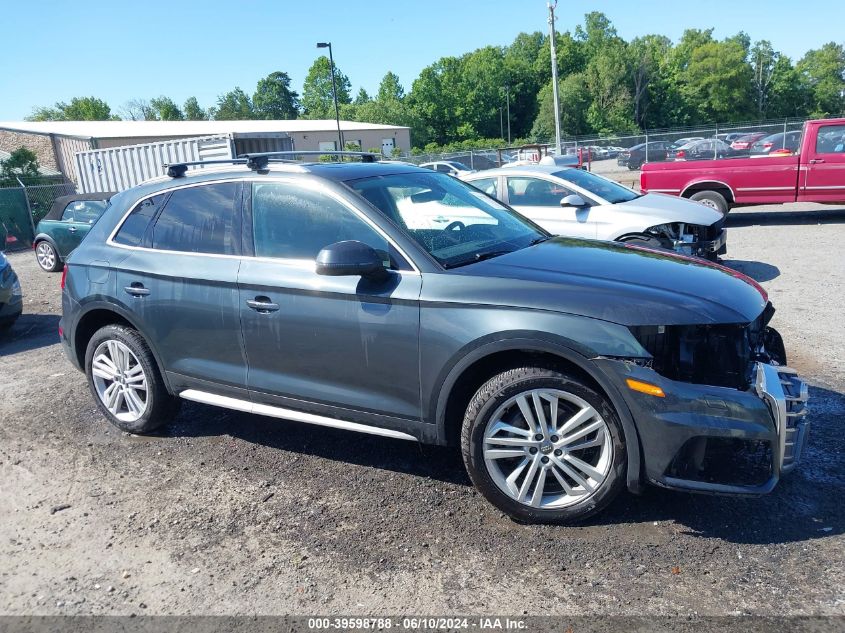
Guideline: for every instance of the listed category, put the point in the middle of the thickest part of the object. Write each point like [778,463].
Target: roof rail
[261,159]
[178,170]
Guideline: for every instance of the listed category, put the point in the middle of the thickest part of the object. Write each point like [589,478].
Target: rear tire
[125,381]
[712,199]
[573,471]
[47,257]
[634,166]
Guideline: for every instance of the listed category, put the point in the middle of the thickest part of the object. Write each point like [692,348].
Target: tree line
[607,86]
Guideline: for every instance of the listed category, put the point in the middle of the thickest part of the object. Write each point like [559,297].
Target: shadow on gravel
[738,218]
[30,331]
[758,271]
[435,462]
[805,505]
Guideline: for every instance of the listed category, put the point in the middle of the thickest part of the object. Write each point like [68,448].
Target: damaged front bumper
[719,440]
[703,248]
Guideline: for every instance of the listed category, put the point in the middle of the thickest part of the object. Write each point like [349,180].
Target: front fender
[550,344]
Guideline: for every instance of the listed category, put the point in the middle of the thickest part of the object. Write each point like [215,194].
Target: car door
[538,199]
[824,177]
[179,281]
[63,231]
[341,346]
[82,215]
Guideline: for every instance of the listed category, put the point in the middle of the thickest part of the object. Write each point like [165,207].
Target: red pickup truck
[815,173]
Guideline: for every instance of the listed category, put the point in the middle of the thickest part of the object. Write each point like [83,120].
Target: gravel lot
[228,513]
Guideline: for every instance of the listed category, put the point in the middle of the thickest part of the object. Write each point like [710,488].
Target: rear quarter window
[132,231]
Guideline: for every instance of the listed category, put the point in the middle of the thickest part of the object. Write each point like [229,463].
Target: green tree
[647,57]
[317,100]
[361,98]
[79,109]
[789,92]
[22,163]
[763,59]
[717,82]
[606,80]
[233,106]
[824,71]
[273,98]
[434,98]
[193,111]
[574,102]
[165,109]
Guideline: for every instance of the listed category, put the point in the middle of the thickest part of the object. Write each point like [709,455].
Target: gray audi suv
[388,299]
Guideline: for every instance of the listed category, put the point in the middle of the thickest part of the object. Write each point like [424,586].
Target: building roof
[148,129]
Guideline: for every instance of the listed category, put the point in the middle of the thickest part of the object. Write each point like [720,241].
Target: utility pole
[552,6]
[508,100]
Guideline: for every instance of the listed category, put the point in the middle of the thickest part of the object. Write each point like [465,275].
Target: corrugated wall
[118,168]
[246,145]
[66,147]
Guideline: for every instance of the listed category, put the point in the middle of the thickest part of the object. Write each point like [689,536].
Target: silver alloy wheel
[120,380]
[46,255]
[707,202]
[547,448]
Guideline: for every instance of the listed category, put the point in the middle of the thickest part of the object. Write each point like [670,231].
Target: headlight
[16,289]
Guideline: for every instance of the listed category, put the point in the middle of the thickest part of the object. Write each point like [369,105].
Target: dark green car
[62,229]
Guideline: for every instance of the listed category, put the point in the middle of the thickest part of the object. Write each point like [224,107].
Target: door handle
[262,305]
[72,229]
[815,161]
[137,290]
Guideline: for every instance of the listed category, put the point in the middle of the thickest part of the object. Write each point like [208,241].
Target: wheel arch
[101,314]
[483,362]
[45,237]
[710,185]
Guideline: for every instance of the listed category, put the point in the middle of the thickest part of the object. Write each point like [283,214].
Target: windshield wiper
[538,240]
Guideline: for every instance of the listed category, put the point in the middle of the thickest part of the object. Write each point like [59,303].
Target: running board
[288,414]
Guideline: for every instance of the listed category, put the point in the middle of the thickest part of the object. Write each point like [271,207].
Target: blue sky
[118,50]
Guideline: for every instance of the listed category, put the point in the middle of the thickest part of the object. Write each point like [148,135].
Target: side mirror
[350,258]
[573,200]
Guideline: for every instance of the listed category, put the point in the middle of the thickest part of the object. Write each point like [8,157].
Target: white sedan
[578,203]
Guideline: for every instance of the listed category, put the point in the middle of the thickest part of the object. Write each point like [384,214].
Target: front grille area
[719,355]
[795,397]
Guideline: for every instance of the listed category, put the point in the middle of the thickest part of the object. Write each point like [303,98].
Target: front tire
[543,446]
[47,257]
[125,381]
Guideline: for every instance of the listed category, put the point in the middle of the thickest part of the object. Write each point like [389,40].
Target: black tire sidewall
[717,198]
[160,404]
[478,416]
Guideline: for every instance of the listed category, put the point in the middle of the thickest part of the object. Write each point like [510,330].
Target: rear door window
[199,220]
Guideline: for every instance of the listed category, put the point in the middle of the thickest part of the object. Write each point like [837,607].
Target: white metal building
[56,142]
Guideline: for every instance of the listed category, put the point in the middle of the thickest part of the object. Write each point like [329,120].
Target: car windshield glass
[597,185]
[452,221]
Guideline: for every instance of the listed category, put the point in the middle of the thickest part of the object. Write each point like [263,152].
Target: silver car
[578,203]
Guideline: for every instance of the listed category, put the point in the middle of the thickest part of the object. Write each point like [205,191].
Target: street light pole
[552,6]
[334,92]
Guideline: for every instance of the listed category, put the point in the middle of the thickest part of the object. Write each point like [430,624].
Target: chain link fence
[22,207]
[710,141]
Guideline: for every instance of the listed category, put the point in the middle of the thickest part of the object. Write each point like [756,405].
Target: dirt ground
[237,514]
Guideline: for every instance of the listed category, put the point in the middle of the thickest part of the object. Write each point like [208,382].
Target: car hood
[671,209]
[625,284]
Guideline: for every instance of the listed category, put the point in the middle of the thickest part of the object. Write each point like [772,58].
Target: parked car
[638,155]
[451,167]
[11,296]
[62,229]
[788,143]
[565,369]
[816,174]
[701,150]
[730,137]
[743,143]
[577,203]
[683,141]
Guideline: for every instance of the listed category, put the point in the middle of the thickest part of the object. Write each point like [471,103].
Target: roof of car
[61,202]
[534,169]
